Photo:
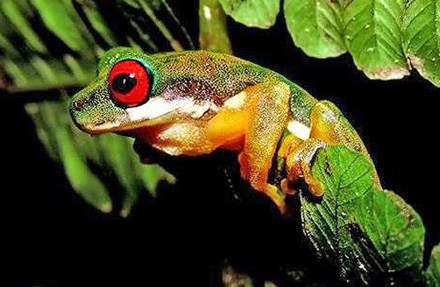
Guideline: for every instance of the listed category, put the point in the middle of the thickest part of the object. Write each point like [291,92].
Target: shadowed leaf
[96,167]
[100,169]
[371,235]
[433,271]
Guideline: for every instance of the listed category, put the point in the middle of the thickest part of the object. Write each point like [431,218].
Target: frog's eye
[129,83]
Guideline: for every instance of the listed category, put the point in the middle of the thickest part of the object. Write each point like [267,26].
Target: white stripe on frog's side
[295,127]
[237,101]
[298,129]
[157,107]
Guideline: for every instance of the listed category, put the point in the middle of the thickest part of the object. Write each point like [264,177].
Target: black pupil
[124,83]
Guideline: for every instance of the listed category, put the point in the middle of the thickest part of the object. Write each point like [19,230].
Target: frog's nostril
[78,105]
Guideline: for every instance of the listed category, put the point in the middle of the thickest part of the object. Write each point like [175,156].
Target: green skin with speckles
[198,74]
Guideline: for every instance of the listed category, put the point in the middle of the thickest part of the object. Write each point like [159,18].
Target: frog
[192,103]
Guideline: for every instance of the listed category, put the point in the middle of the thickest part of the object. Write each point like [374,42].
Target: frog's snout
[81,110]
[76,108]
[93,112]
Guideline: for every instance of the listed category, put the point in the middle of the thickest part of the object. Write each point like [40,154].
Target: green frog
[195,102]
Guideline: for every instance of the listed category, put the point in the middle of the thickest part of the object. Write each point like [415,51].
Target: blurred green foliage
[60,41]
[59,45]
[96,166]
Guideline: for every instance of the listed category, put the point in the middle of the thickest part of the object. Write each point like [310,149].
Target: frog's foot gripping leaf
[328,127]
[259,114]
[254,121]
[299,158]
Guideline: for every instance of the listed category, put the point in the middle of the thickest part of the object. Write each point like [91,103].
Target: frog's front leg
[267,121]
[328,127]
[260,115]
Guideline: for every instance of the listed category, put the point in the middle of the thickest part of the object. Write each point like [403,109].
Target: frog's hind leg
[328,127]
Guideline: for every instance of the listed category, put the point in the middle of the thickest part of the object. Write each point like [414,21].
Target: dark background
[49,236]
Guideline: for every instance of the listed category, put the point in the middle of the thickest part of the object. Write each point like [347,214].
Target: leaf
[16,14]
[82,178]
[96,167]
[374,37]
[433,271]
[213,34]
[252,13]
[386,38]
[371,235]
[97,21]
[60,18]
[316,26]
[422,37]
[80,30]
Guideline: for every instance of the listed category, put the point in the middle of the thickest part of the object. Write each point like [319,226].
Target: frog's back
[225,76]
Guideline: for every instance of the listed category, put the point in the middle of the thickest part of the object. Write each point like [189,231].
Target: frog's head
[120,98]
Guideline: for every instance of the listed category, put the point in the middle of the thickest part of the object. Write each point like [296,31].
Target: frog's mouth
[123,125]
[155,112]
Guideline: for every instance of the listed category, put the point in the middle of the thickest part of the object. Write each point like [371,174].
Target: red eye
[129,83]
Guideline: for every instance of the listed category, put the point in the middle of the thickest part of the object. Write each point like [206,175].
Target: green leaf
[252,13]
[316,26]
[61,19]
[96,167]
[85,30]
[5,41]
[75,166]
[386,38]
[213,34]
[422,37]
[37,73]
[371,235]
[97,21]
[82,178]
[374,37]
[101,166]
[433,271]
[16,14]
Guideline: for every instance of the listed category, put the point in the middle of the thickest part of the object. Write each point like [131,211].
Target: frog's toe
[316,187]
[287,187]
[245,167]
[298,165]
[272,192]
